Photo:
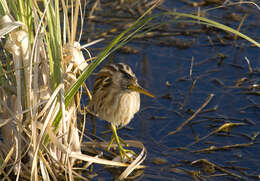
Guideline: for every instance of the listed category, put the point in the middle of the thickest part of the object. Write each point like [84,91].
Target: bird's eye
[126,75]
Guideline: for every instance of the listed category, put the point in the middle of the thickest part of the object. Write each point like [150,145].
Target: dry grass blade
[189,94]
[7,25]
[56,142]
[88,158]
[249,66]
[225,127]
[90,163]
[44,171]
[48,167]
[192,117]
[7,158]
[50,101]
[227,147]
[139,159]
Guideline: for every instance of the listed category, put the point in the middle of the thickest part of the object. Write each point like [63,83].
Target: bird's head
[119,77]
[128,80]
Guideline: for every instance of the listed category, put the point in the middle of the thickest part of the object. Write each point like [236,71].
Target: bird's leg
[113,139]
[111,142]
[123,152]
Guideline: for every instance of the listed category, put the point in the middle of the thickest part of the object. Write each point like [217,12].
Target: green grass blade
[53,38]
[216,25]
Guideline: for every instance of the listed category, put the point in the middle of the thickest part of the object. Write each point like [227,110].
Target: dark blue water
[155,65]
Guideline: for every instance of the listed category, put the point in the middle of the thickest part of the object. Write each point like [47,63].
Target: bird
[116,99]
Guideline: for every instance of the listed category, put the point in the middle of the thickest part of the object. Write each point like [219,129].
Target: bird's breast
[129,105]
[116,107]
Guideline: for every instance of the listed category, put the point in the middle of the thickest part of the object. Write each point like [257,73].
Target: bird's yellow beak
[139,89]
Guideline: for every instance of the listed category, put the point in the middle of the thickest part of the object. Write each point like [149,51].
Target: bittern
[116,99]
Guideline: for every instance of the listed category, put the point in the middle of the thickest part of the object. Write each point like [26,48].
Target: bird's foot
[124,153]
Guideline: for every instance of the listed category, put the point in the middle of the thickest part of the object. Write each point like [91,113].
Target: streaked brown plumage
[116,98]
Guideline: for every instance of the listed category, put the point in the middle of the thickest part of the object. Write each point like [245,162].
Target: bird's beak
[139,89]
